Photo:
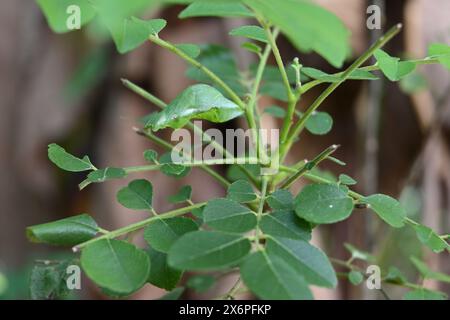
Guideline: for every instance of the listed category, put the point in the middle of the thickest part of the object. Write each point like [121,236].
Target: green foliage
[241,191]
[68,162]
[201,283]
[355,277]
[161,274]
[56,12]
[162,234]
[183,195]
[441,52]
[137,195]
[251,32]
[216,8]
[270,277]
[306,259]
[308,26]
[322,203]
[229,216]
[66,232]
[392,67]
[260,228]
[388,209]
[197,102]
[48,281]
[208,250]
[117,266]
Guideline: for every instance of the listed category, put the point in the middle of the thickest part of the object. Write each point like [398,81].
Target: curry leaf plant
[259,227]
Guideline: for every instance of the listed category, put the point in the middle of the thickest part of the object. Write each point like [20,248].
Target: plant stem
[292,98]
[144,94]
[252,104]
[192,164]
[139,225]
[299,126]
[155,39]
[308,86]
[234,289]
[262,201]
[308,166]
[170,147]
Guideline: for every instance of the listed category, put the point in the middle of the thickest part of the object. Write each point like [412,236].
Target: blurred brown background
[66,89]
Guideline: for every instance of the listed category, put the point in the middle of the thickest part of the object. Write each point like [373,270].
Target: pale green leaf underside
[200,101]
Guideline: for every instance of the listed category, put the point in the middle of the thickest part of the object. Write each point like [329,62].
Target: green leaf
[275,111]
[171,169]
[56,12]
[135,32]
[428,273]
[68,162]
[320,123]
[229,216]
[66,232]
[359,254]
[429,238]
[275,90]
[332,78]
[200,101]
[413,83]
[151,156]
[192,50]
[103,175]
[202,250]
[252,47]
[201,283]
[308,26]
[127,31]
[284,223]
[392,67]
[163,233]
[219,60]
[442,52]
[395,276]
[388,209]
[161,274]
[280,200]
[137,195]
[271,278]
[306,259]
[323,203]
[175,294]
[116,265]
[424,294]
[251,32]
[48,282]
[355,277]
[241,191]
[183,195]
[216,8]
[346,180]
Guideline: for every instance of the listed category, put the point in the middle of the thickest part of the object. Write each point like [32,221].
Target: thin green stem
[299,126]
[292,98]
[139,225]
[144,94]
[309,166]
[375,67]
[262,201]
[170,147]
[251,109]
[208,162]
[216,79]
